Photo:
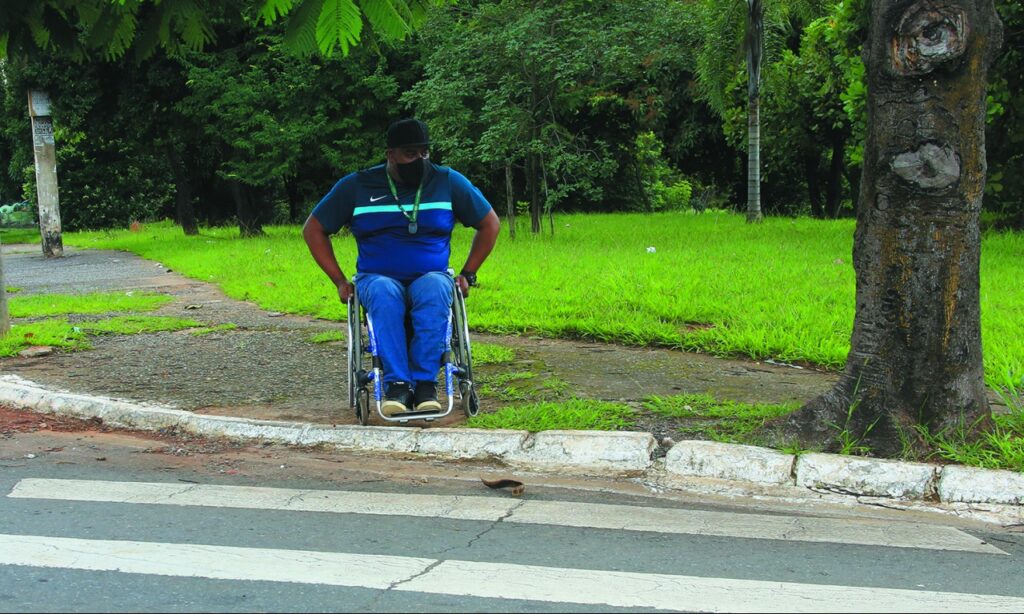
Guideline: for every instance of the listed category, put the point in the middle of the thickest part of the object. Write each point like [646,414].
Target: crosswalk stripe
[561,513]
[480,579]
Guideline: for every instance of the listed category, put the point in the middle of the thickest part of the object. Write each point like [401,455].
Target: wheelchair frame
[457,363]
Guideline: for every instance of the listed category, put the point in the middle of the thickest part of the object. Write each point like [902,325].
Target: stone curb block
[615,451]
[866,476]
[618,451]
[727,461]
[470,443]
[972,485]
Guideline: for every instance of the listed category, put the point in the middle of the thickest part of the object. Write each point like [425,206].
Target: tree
[915,357]
[753,44]
[761,32]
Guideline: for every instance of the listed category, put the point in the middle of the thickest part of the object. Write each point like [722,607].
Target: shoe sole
[390,408]
[429,405]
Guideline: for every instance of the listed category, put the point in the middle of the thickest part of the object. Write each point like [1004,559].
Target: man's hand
[345,290]
[463,285]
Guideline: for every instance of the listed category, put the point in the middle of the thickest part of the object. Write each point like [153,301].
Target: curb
[607,453]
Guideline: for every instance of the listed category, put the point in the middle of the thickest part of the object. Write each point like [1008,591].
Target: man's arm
[483,242]
[319,243]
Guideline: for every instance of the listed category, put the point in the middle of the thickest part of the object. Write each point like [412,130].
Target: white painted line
[251,497]
[203,561]
[559,513]
[756,526]
[476,579]
[688,593]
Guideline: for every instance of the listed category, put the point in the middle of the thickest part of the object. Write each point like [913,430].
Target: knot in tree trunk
[932,168]
[928,35]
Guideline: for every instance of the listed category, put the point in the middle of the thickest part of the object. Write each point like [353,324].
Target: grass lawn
[783,289]
[60,333]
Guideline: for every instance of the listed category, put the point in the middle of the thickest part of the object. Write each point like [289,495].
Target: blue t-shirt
[364,202]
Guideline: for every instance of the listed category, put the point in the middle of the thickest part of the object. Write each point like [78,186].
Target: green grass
[575,414]
[703,416]
[13,289]
[41,305]
[783,289]
[10,236]
[133,325]
[206,330]
[55,333]
[60,333]
[491,354]
[1001,447]
[329,336]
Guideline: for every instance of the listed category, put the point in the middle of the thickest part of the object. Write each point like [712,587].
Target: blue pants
[428,301]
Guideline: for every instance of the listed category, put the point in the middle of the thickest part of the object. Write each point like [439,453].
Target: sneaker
[396,399]
[426,397]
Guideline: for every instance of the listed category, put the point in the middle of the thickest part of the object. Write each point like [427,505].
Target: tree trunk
[547,197]
[248,214]
[834,189]
[813,184]
[754,44]
[754,162]
[291,189]
[5,318]
[853,177]
[510,204]
[915,355]
[184,212]
[531,177]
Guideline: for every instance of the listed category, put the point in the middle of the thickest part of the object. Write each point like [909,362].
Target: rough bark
[510,205]
[813,184]
[184,211]
[915,355]
[248,212]
[834,188]
[754,44]
[5,320]
[531,178]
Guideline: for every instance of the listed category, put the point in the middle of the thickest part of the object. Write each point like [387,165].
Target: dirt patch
[268,368]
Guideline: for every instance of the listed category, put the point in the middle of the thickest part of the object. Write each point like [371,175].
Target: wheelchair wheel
[355,349]
[463,356]
[470,402]
[363,406]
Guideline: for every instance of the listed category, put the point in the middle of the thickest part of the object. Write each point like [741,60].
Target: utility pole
[45,151]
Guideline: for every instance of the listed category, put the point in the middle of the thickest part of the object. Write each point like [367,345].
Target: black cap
[407,132]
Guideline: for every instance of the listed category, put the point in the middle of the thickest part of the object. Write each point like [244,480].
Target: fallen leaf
[517,486]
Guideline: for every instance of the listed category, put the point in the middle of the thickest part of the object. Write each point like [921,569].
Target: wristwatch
[470,278]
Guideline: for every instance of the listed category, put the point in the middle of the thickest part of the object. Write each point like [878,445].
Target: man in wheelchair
[402,214]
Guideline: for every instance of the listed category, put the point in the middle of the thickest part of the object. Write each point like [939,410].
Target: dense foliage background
[575,105]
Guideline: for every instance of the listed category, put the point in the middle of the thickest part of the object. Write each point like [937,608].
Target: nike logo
[373,200]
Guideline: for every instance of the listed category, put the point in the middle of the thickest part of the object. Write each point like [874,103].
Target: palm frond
[273,9]
[300,34]
[385,18]
[339,25]
[190,22]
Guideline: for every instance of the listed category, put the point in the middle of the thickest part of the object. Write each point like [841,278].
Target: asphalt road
[121,522]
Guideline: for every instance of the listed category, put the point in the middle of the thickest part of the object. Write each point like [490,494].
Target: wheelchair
[366,375]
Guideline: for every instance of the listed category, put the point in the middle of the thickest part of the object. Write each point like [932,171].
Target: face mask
[411,173]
